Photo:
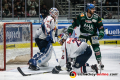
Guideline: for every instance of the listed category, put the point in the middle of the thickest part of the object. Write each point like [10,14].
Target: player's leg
[90,67]
[41,44]
[41,58]
[86,68]
[95,45]
[82,59]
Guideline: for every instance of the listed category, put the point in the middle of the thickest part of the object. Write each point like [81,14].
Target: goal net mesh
[15,43]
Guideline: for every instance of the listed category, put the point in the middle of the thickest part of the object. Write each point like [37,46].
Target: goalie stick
[23,74]
[55,54]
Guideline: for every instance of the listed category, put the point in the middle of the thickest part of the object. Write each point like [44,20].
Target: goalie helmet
[89,6]
[62,36]
[54,12]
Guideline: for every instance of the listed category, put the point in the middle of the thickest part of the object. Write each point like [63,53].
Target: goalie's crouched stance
[41,58]
[73,49]
[44,36]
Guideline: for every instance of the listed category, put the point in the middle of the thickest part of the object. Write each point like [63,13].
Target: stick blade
[19,69]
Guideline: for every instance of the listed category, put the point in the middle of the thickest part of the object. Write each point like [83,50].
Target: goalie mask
[54,12]
[61,37]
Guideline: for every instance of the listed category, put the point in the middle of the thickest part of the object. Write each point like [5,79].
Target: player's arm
[51,31]
[100,28]
[60,31]
[75,23]
[62,62]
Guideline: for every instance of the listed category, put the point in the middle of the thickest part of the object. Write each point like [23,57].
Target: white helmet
[54,12]
[62,36]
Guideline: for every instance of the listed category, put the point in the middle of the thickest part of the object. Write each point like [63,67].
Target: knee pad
[97,53]
[95,40]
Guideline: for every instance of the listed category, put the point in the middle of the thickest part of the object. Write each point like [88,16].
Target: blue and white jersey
[49,24]
[71,49]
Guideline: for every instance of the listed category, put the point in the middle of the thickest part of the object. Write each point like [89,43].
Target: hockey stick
[55,54]
[106,31]
[100,68]
[23,74]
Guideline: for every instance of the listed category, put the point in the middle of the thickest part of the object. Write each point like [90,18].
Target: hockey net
[15,43]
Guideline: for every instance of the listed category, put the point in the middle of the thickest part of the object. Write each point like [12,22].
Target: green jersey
[88,25]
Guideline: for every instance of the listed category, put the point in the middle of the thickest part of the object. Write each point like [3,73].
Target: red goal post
[16,42]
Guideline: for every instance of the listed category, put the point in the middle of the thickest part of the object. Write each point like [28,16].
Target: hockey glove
[49,39]
[56,70]
[68,66]
[101,34]
[70,30]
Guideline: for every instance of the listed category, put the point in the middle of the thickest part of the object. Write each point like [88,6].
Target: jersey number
[74,40]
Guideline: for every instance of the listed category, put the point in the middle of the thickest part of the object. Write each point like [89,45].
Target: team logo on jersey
[93,20]
[72,74]
[82,15]
[88,21]
[88,27]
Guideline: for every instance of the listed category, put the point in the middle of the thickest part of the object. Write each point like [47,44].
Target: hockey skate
[101,65]
[94,67]
[33,67]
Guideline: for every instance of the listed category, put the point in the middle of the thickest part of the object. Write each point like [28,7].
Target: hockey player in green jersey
[89,23]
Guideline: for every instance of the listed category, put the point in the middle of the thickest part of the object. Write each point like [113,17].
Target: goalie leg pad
[41,58]
[46,56]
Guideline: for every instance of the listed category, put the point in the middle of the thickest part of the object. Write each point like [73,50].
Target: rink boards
[113,29]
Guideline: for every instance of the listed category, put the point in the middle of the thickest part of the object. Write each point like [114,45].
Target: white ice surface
[110,58]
